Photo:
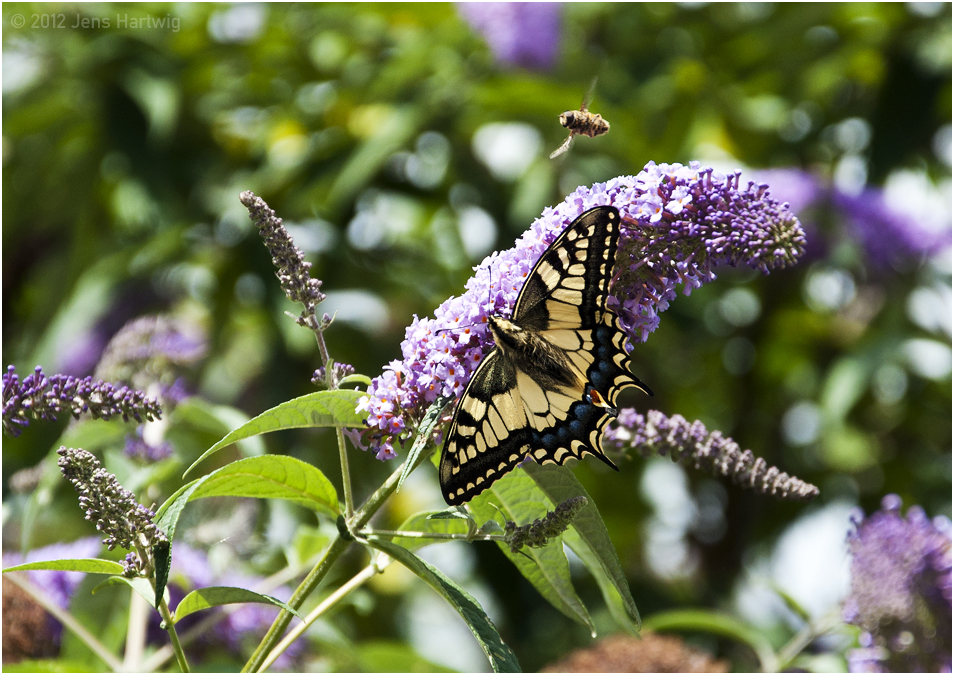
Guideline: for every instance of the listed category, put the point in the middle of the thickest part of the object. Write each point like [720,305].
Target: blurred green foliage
[125,149]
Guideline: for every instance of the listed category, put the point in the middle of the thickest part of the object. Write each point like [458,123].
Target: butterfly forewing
[508,412]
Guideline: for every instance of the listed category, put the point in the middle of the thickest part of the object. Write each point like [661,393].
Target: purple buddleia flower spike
[679,224]
[113,509]
[147,348]
[901,591]
[692,445]
[291,267]
[45,397]
[518,33]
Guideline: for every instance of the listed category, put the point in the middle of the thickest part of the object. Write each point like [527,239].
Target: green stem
[366,574]
[174,637]
[139,610]
[67,620]
[346,473]
[308,585]
[487,537]
[804,637]
[216,615]
[315,577]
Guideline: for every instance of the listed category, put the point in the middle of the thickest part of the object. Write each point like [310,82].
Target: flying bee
[581,122]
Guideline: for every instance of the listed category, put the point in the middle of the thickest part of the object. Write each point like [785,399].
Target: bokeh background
[401,143]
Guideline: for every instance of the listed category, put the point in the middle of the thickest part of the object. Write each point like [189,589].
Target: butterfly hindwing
[550,387]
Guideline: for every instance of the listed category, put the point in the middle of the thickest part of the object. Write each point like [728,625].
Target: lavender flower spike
[112,508]
[39,396]
[693,446]
[901,591]
[147,347]
[680,223]
[293,269]
[541,531]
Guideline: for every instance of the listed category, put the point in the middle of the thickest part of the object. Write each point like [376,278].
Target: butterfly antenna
[490,304]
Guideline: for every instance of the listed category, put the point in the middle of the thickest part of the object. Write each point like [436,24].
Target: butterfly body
[548,388]
[529,353]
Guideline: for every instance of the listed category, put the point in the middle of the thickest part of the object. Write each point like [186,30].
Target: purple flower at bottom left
[59,585]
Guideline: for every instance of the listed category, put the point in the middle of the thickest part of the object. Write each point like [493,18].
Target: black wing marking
[505,413]
[485,440]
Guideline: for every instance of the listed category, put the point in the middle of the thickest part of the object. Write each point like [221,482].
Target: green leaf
[546,567]
[167,516]
[335,408]
[57,666]
[307,543]
[425,427]
[355,378]
[501,657]
[377,657]
[77,565]
[162,555]
[844,386]
[593,545]
[265,476]
[490,527]
[199,415]
[424,523]
[210,597]
[456,512]
[791,602]
[715,623]
[141,585]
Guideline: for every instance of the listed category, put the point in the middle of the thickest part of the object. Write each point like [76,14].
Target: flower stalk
[692,445]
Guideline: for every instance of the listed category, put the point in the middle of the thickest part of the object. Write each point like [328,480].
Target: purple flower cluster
[692,445]
[107,504]
[292,268]
[901,591]
[887,234]
[886,231]
[137,447]
[680,222]
[518,33]
[191,570]
[685,222]
[41,396]
[145,348]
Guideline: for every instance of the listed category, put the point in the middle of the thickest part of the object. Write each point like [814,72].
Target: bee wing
[589,97]
[564,147]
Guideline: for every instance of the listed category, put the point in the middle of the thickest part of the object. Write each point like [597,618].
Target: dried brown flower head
[651,653]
